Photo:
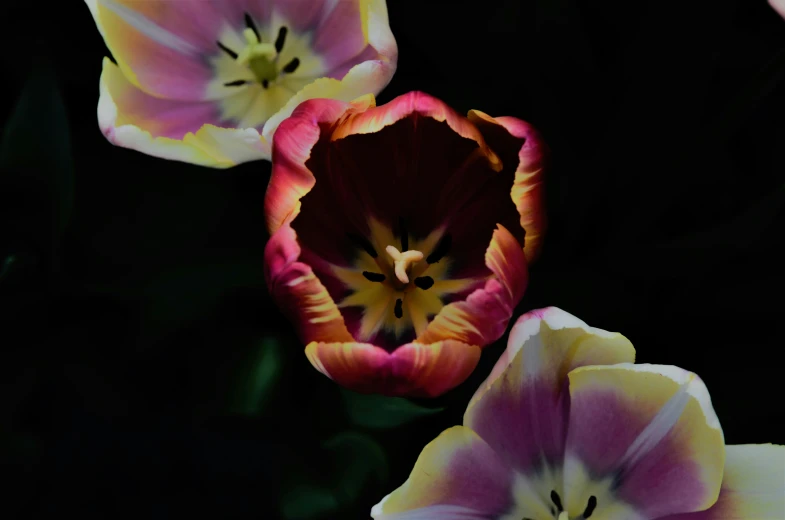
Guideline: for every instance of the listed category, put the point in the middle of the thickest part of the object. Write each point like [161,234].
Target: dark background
[145,369]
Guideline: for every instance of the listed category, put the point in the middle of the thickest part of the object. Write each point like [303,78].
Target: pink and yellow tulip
[208,81]
[566,427]
[400,236]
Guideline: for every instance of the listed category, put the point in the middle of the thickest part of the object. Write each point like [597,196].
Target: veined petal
[753,485]
[483,317]
[509,136]
[159,44]
[175,130]
[456,476]
[522,408]
[649,432]
[298,292]
[413,369]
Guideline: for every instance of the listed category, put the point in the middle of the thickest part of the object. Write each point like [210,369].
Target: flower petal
[301,296]
[381,45]
[176,130]
[413,369]
[511,137]
[368,77]
[521,409]
[295,137]
[650,432]
[159,45]
[779,6]
[344,32]
[483,317]
[752,485]
[456,476]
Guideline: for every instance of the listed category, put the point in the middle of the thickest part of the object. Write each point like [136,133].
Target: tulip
[567,427]
[400,237]
[208,82]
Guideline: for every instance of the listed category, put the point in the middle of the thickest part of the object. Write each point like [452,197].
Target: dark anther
[590,507]
[398,308]
[441,249]
[265,83]
[279,41]
[363,244]
[227,50]
[236,83]
[291,66]
[252,26]
[556,499]
[404,234]
[374,277]
[423,282]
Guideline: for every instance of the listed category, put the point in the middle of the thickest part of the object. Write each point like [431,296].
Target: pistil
[259,57]
[402,261]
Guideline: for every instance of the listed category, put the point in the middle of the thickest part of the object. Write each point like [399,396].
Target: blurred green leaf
[8,266]
[177,297]
[255,383]
[184,293]
[306,502]
[36,172]
[358,465]
[380,412]
[358,460]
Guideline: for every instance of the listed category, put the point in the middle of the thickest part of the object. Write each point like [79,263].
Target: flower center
[402,262]
[259,57]
[398,281]
[558,512]
[405,264]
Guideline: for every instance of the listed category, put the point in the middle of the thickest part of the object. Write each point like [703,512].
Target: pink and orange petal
[414,369]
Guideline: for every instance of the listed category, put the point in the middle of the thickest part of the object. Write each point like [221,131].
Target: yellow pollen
[403,261]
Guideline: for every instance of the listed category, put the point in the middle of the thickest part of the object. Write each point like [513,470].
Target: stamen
[441,249]
[291,66]
[374,277]
[250,38]
[402,261]
[227,50]
[424,282]
[279,41]
[363,244]
[404,235]
[235,83]
[590,507]
[251,25]
[556,499]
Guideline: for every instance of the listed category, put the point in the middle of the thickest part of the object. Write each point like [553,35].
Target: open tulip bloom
[400,236]
[566,427]
[208,81]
